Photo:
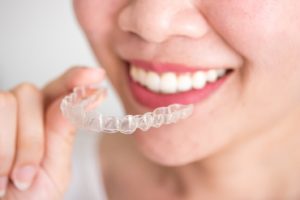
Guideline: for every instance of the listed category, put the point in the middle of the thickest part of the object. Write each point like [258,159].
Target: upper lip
[176,54]
[161,67]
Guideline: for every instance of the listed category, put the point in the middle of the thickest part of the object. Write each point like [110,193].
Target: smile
[164,85]
[171,82]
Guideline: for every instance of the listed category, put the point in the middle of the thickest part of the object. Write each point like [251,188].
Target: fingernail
[23,177]
[3,184]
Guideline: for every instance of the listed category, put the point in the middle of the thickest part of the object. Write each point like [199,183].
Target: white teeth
[199,80]
[133,73]
[221,72]
[184,82]
[141,78]
[169,82]
[211,75]
[153,81]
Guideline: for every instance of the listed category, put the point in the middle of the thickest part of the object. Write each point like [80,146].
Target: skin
[241,143]
[247,125]
[35,134]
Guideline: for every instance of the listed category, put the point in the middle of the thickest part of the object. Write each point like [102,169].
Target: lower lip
[153,100]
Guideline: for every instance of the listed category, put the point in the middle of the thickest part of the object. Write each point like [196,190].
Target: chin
[171,146]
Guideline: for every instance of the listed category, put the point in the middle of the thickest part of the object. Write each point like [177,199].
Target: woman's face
[258,40]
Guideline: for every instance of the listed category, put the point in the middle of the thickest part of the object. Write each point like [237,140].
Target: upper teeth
[170,82]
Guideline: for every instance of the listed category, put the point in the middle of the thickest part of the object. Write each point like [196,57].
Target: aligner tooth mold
[79,109]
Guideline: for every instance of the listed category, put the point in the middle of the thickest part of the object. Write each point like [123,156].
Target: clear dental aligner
[78,107]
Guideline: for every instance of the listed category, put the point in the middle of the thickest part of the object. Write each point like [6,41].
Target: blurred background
[39,40]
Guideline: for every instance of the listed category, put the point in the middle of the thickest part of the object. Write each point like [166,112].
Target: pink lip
[153,100]
[166,67]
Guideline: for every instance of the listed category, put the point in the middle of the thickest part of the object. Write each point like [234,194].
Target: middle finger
[30,135]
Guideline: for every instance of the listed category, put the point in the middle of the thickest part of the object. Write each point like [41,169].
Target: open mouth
[155,87]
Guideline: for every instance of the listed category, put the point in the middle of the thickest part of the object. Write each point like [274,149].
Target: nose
[158,20]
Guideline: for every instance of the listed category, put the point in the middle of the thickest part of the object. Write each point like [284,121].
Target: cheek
[251,23]
[98,17]
[243,24]
[264,32]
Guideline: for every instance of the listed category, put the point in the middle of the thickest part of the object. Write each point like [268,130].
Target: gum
[79,109]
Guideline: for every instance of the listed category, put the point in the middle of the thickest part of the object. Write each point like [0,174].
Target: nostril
[189,23]
[123,20]
[156,21]
[146,25]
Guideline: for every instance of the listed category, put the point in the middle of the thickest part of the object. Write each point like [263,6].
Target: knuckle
[27,87]
[7,99]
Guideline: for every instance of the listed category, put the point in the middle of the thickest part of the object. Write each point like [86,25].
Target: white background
[39,40]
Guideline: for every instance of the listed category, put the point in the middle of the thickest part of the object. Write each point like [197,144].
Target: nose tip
[156,22]
[148,26]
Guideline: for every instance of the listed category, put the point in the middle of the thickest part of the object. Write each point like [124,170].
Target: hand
[35,139]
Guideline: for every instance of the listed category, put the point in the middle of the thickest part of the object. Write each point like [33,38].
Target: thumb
[75,76]
[59,138]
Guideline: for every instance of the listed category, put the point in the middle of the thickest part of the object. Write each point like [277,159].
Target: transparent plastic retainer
[79,109]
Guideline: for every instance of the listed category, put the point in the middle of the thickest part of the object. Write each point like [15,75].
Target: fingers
[8,110]
[75,76]
[33,132]
[59,132]
[60,136]
[30,135]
